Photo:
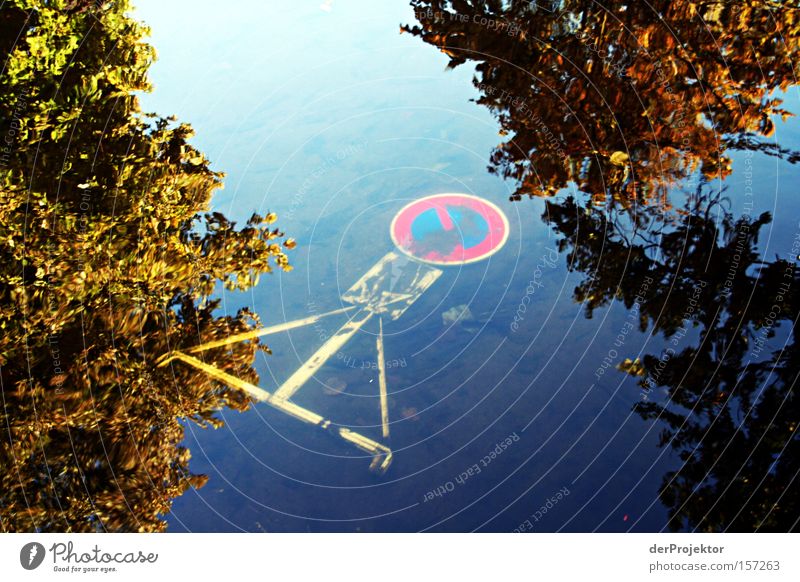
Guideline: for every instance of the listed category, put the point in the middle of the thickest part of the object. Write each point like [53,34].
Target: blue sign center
[468,228]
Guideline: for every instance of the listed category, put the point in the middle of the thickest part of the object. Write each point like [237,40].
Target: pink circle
[450,229]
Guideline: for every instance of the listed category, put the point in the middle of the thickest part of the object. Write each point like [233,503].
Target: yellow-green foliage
[106,263]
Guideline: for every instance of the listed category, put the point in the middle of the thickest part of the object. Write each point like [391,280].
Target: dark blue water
[335,121]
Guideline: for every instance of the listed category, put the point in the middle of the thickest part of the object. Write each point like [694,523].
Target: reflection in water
[106,265]
[730,412]
[608,98]
[621,98]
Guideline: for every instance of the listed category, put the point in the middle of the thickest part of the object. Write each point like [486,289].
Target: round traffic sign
[449,229]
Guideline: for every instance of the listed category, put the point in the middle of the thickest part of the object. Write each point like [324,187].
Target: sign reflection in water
[463,229]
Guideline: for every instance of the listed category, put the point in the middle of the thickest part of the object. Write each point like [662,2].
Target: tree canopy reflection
[621,98]
[730,409]
[107,263]
[627,101]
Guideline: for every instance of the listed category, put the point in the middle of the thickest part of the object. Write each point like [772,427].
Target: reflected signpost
[438,230]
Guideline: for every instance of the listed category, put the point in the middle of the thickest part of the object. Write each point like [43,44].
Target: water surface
[515,417]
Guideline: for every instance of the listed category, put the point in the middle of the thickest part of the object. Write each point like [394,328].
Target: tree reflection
[731,411]
[627,101]
[106,265]
[620,98]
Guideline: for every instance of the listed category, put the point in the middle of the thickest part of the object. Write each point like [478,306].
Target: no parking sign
[449,229]
[442,230]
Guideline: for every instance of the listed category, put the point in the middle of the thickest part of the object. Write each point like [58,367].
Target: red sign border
[492,205]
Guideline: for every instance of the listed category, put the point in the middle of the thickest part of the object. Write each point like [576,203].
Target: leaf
[619,158]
